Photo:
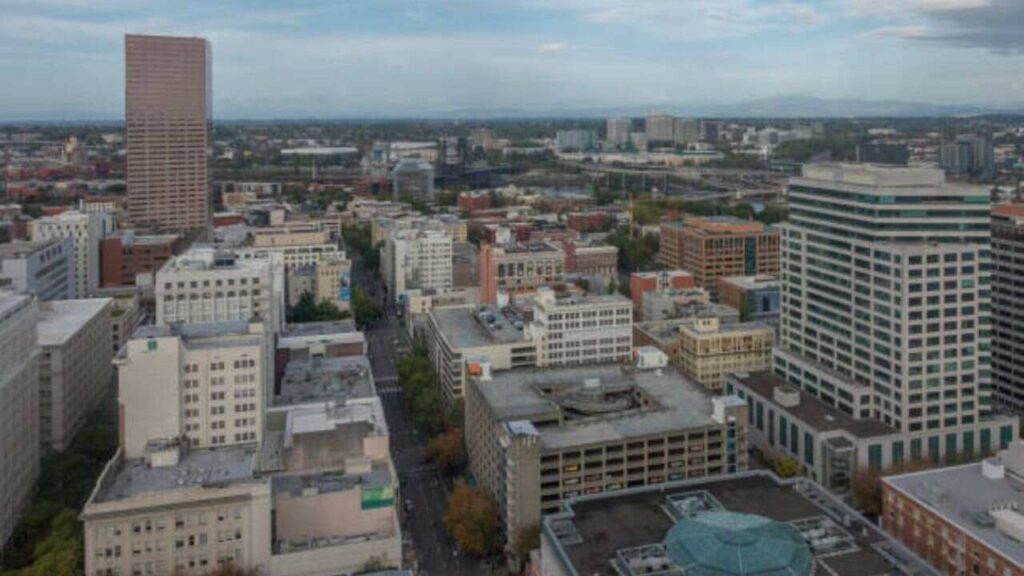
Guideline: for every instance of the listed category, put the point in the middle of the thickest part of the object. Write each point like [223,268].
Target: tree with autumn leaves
[473,521]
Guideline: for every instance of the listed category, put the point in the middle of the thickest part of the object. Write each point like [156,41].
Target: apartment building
[642,282]
[206,383]
[718,246]
[86,230]
[962,519]
[45,268]
[710,350]
[75,374]
[19,407]
[167,122]
[125,256]
[574,329]
[208,285]
[416,260]
[518,268]
[537,438]
[1008,306]
[886,304]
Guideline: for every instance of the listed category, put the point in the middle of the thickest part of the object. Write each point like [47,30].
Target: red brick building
[587,221]
[963,520]
[124,255]
[473,201]
[641,282]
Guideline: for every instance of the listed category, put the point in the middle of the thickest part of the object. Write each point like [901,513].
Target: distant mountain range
[775,107]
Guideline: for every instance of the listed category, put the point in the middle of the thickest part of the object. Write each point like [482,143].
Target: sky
[64,59]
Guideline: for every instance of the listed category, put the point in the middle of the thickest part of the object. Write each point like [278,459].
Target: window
[875,457]
[897,453]
[808,449]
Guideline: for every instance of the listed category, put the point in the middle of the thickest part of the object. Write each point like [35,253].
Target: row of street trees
[472,516]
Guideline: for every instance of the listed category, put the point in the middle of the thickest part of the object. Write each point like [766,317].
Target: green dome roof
[733,544]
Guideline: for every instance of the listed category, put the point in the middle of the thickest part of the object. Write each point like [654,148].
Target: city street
[424,498]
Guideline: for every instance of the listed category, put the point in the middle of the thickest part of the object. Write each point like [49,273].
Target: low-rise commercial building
[664,334]
[537,438]
[670,304]
[756,297]
[461,338]
[831,445]
[518,268]
[962,519]
[19,407]
[45,268]
[714,526]
[75,374]
[710,350]
[590,259]
[666,280]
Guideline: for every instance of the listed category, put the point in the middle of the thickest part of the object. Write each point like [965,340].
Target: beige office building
[538,438]
[19,407]
[710,350]
[207,285]
[207,383]
[174,511]
[581,330]
[167,118]
[75,374]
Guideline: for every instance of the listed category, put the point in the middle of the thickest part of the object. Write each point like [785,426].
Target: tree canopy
[472,519]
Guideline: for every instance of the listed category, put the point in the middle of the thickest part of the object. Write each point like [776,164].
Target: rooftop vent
[993,469]
[786,396]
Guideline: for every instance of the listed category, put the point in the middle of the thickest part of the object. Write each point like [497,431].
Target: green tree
[364,308]
[472,519]
[787,467]
[447,451]
[526,540]
[744,310]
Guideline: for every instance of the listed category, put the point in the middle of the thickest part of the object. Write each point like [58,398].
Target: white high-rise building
[86,230]
[618,130]
[581,330]
[45,269]
[660,129]
[417,260]
[19,407]
[209,383]
[74,368]
[886,320]
[208,285]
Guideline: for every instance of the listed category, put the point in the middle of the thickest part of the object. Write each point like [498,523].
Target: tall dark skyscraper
[167,117]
